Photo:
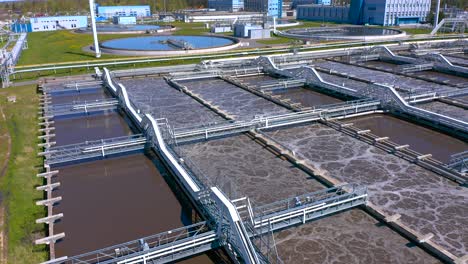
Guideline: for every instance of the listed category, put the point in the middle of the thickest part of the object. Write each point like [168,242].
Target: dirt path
[3,237]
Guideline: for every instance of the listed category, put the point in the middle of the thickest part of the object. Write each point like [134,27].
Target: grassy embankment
[19,122]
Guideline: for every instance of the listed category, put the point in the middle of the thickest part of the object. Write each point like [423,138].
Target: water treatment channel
[115,200]
[243,167]
[121,202]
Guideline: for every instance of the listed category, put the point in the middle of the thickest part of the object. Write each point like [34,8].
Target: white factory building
[58,23]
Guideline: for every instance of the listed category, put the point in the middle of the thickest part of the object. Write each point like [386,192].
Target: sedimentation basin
[114,200]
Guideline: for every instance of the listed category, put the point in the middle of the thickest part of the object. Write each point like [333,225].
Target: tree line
[78,6]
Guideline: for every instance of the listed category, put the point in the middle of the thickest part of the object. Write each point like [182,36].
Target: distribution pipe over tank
[93,25]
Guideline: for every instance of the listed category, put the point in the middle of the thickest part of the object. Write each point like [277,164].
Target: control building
[273,7]
[373,12]
[226,5]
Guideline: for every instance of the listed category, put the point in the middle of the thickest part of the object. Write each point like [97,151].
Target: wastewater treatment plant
[169,142]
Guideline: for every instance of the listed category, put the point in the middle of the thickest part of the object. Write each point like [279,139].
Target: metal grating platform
[94,149]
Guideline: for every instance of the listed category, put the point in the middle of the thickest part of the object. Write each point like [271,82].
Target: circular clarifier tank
[164,45]
[346,33]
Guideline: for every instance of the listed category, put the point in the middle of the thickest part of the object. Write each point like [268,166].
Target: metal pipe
[436,17]
[93,25]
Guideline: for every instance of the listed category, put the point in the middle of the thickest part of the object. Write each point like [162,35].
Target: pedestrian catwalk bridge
[76,108]
[195,239]
[77,86]
[300,209]
[94,149]
[190,134]
[459,162]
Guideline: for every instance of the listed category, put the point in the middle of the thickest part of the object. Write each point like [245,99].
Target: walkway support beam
[93,25]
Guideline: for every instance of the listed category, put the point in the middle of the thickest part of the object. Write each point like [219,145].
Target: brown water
[420,139]
[307,97]
[264,178]
[427,202]
[91,127]
[87,95]
[112,201]
[213,256]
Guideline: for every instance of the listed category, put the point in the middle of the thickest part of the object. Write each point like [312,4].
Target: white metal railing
[154,135]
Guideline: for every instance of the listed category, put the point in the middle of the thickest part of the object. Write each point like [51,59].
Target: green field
[18,183]
[60,46]
[66,46]
[416,31]
[276,40]
[190,28]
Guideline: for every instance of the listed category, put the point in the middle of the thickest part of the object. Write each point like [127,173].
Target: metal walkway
[71,87]
[85,107]
[182,135]
[94,149]
[459,162]
[282,84]
[300,209]
[387,95]
[160,248]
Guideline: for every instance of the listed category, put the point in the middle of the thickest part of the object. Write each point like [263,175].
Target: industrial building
[124,20]
[273,7]
[226,5]
[192,16]
[295,3]
[51,23]
[374,12]
[251,31]
[338,14]
[135,11]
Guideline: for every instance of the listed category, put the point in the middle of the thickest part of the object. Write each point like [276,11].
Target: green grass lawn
[61,46]
[65,46]
[415,31]
[18,184]
[276,40]
[190,28]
